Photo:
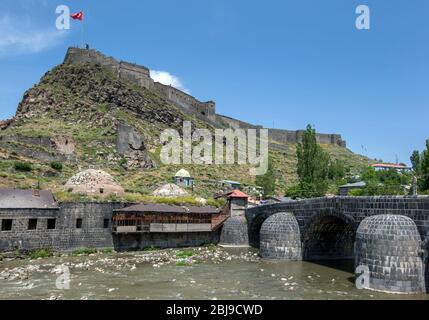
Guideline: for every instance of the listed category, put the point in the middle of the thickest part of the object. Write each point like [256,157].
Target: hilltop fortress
[203,110]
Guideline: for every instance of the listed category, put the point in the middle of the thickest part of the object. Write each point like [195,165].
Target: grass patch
[182,264]
[84,251]
[41,254]
[107,251]
[184,254]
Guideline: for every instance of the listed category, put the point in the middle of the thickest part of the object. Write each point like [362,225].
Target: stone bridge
[388,234]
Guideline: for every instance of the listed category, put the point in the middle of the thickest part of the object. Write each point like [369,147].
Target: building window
[79,223]
[6,225]
[51,224]
[32,224]
[106,223]
[101,190]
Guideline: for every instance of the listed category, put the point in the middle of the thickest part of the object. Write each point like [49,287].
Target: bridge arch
[329,235]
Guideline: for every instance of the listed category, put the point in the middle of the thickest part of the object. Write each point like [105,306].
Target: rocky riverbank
[104,262]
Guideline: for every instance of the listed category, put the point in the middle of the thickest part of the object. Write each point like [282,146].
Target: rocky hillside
[84,116]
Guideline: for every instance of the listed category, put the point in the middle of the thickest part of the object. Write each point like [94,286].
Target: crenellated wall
[187,102]
[203,110]
[127,71]
[284,136]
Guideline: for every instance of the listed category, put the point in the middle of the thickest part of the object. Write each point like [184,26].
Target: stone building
[345,189]
[183,178]
[234,230]
[32,219]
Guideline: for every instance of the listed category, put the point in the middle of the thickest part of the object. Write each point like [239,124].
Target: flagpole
[83,32]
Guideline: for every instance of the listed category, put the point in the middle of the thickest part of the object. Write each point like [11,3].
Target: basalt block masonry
[75,225]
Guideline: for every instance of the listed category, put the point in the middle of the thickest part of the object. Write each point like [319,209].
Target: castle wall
[234,123]
[285,136]
[187,102]
[135,73]
[140,75]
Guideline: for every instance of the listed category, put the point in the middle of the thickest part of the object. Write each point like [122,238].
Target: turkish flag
[77,16]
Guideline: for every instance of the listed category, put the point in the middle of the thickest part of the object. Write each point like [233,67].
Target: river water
[199,273]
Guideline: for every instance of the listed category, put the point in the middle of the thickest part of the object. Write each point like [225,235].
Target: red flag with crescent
[77,16]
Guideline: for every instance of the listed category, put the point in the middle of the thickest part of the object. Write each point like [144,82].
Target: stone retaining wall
[95,230]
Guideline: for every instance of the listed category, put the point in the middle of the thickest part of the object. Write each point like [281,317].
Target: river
[198,273]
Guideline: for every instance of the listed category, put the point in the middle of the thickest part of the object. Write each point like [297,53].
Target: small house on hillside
[345,189]
[388,166]
[183,178]
[277,199]
[230,185]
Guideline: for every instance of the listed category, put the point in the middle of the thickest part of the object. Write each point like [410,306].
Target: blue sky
[275,63]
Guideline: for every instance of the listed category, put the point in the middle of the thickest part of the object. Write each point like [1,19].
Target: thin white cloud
[168,79]
[17,37]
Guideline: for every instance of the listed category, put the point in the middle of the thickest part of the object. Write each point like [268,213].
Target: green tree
[424,169]
[313,166]
[416,161]
[385,182]
[268,180]
[337,170]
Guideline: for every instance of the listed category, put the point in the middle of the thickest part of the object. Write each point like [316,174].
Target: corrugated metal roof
[230,182]
[27,199]
[165,208]
[359,184]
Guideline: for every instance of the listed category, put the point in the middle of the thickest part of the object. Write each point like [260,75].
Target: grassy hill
[83,105]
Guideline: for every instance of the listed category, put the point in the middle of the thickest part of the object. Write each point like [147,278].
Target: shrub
[294,192]
[22,166]
[356,193]
[42,253]
[57,166]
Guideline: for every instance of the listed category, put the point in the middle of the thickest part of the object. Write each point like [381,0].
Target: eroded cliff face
[130,144]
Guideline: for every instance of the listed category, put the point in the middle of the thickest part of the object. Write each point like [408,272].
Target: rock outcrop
[94,183]
[130,144]
[169,190]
